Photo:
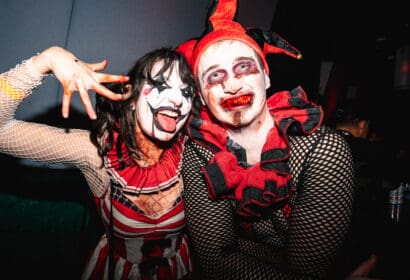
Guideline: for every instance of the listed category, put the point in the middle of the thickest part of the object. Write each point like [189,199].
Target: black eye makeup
[160,83]
[158,80]
[187,92]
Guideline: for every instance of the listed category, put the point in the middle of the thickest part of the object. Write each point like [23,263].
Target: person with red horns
[268,188]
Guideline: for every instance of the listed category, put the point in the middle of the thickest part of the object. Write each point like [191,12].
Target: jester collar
[136,179]
[266,185]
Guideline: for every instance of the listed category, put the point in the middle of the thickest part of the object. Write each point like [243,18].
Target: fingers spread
[102,90]
[85,99]
[98,66]
[79,76]
[66,102]
[109,78]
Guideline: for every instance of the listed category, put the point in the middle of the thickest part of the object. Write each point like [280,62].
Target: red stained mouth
[238,101]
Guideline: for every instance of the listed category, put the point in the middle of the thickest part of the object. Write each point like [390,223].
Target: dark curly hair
[118,115]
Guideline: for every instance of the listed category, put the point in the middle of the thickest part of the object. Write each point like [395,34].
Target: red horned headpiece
[221,26]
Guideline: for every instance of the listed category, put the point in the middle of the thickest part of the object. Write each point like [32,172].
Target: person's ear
[363,128]
[363,124]
[267,80]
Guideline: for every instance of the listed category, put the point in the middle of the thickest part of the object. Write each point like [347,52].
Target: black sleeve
[300,247]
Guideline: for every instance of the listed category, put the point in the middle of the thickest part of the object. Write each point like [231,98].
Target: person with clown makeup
[131,160]
[268,188]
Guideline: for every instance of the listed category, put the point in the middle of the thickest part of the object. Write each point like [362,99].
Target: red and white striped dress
[145,247]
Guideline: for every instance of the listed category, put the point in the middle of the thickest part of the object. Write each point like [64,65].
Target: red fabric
[225,28]
[143,245]
[136,179]
[266,184]
[233,31]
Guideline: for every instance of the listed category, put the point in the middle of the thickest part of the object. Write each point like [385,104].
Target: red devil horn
[225,10]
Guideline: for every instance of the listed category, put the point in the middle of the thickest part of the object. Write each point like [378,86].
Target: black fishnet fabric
[302,247]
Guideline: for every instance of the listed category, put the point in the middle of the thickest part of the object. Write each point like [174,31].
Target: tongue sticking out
[167,123]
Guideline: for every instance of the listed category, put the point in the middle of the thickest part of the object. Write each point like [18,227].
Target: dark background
[361,42]
[48,220]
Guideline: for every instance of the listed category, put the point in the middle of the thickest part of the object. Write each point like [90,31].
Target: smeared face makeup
[233,83]
[162,110]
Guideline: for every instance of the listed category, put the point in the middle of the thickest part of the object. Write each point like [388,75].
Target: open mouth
[167,119]
[243,100]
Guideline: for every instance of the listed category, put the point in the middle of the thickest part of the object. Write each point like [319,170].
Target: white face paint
[233,83]
[162,111]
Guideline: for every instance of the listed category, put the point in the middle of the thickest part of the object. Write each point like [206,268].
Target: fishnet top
[301,247]
[42,142]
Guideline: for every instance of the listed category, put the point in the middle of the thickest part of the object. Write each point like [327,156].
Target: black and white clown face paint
[162,110]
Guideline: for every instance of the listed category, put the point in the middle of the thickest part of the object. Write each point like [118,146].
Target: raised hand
[77,76]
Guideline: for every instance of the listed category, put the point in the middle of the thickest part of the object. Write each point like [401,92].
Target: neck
[150,151]
[253,136]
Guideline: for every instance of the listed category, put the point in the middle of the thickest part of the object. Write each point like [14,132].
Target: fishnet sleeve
[304,247]
[322,208]
[42,142]
[212,229]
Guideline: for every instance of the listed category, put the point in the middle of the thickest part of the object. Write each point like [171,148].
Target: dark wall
[360,42]
[119,31]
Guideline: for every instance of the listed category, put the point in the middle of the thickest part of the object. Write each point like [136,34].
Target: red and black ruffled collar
[138,180]
[266,185]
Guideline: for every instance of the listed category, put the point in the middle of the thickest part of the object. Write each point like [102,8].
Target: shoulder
[324,138]
[325,149]
[195,153]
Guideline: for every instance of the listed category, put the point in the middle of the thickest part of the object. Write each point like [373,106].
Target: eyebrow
[235,60]
[209,69]
[158,76]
